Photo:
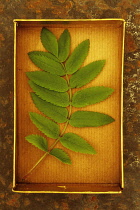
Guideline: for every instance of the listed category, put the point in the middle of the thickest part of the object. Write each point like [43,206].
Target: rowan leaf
[86,74]
[89,119]
[38,141]
[64,45]
[47,80]
[76,143]
[56,113]
[56,98]
[46,126]
[61,155]
[91,95]
[44,62]
[77,57]
[46,54]
[49,41]
[52,94]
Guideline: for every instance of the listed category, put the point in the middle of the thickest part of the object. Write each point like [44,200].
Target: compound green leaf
[42,60]
[76,143]
[64,45]
[89,119]
[61,155]
[90,96]
[47,80]
[77,57]
[49,41]
[38,141]
[87,73]
[56,113]
[56,98]
[46,126]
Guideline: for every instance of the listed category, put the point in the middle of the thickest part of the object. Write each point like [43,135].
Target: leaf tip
[113,119]
[66,30]
[112,90]
[94,152]
[103,61]
[87,41]
[29,53]
[43,29]
[68,162]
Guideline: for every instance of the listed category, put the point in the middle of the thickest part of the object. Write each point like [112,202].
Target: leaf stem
[30,171]
[70,92]
[63,131]
[70,110]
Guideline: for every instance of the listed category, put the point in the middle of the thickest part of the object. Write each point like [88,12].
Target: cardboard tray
[100,173]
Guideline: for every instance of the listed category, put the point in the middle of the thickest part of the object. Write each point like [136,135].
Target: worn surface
[130,11]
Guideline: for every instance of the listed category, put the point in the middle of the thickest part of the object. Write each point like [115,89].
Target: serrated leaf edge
[62,142]
[45,149]
[60,159]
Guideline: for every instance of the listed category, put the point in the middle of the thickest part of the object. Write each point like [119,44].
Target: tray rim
[15,21]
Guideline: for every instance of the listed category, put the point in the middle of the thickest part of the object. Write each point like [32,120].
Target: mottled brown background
[77,9]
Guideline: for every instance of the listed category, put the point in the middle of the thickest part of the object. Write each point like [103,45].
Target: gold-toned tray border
[15,148]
